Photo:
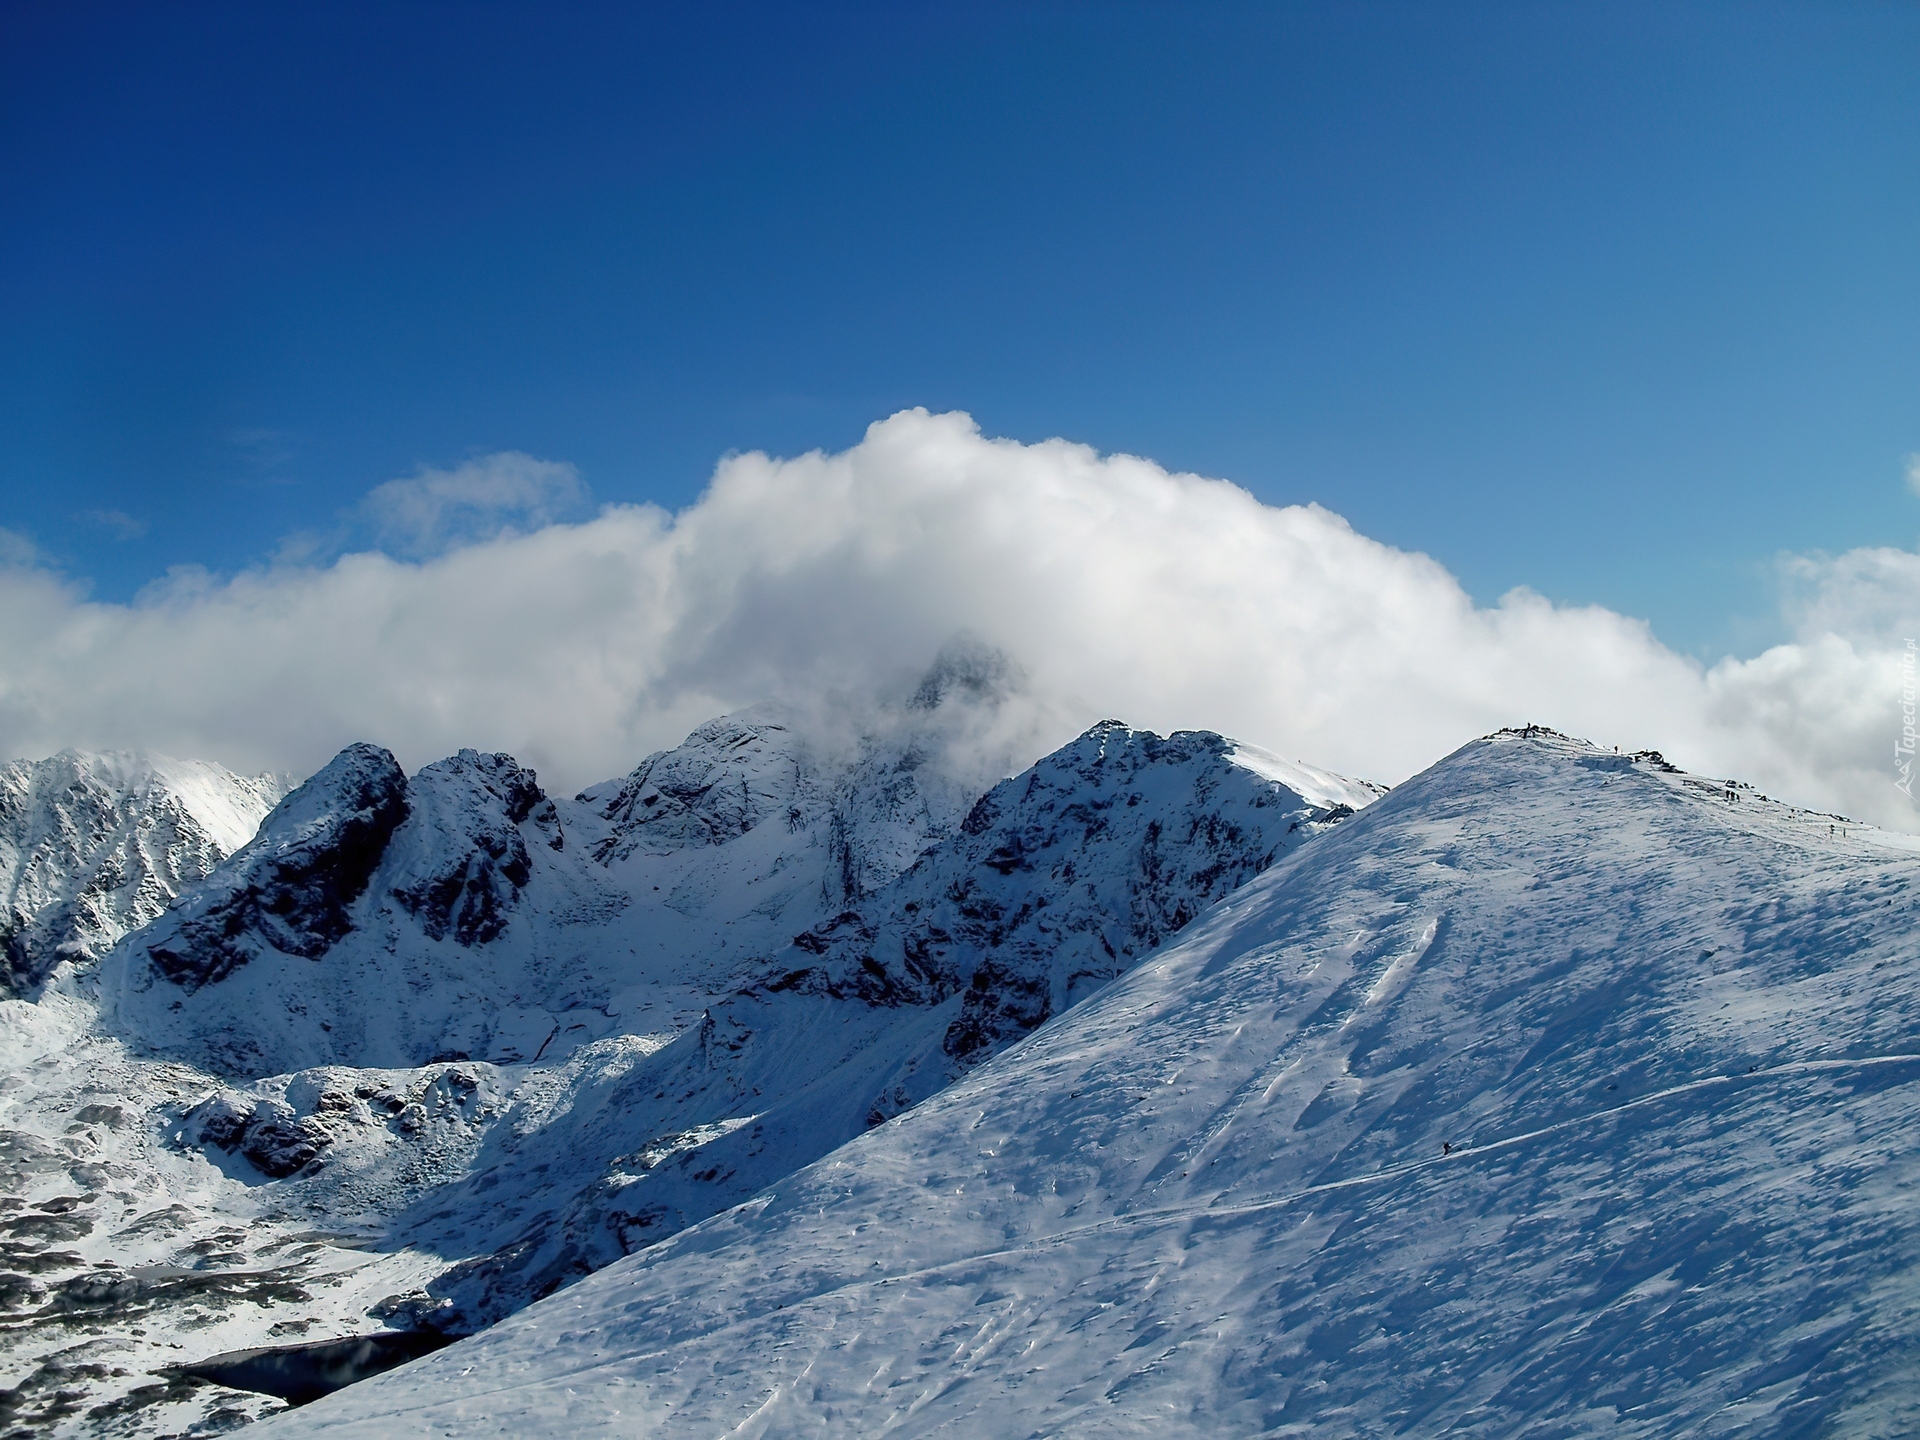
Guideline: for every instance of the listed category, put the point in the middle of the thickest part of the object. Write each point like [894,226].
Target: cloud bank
[480,500]
[1120,589]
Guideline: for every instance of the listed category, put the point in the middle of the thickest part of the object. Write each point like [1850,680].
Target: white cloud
[1168,600]
[1913,473]
[479,500]
[122,525]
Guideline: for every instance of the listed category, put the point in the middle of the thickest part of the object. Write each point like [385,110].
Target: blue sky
[1616,301]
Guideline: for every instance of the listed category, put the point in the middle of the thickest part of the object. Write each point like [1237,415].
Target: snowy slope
[1554,1093]
[430,1046]
[94,846]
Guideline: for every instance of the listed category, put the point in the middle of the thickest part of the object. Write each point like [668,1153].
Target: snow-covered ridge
[1555,1092]
[93,846]
[1062,877]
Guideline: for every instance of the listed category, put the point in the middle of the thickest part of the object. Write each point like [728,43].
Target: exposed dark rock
[291,887]
[997,1008]
[109,1296]
[39,1229]
[1060,878]
[478,804]
[24,1155]
[274,1138]
[415,1310]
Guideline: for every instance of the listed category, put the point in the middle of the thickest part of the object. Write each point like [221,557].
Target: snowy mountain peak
[720,782]
[968,669]
[1063,876]
[93,846]
[453,889]
[291,887]
[467,889]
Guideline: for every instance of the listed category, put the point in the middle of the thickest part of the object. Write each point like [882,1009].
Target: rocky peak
[1063,876]
[718,784]
[292,885]
[462,861]
[93,846]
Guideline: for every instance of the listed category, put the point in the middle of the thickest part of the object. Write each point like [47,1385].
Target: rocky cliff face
[95,846]
[291,887]
[849,814]
[1062,877]
[374,919]
[467,890]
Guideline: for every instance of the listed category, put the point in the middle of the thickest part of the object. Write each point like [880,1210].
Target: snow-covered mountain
[95,846]
[1557,1092]
[428,1047]
[516,924]
[1056,880]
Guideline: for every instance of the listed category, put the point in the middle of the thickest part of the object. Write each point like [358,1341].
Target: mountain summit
[95,846]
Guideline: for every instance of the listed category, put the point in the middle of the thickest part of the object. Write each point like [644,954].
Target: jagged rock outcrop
[1062,877]
[466,890]
[283,1126]
[720,782]
[447,908]
[291,886]
[93,847]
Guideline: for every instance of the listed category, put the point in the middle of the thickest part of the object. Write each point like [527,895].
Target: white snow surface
[1556,1093]
[93,846]
[428,1048]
